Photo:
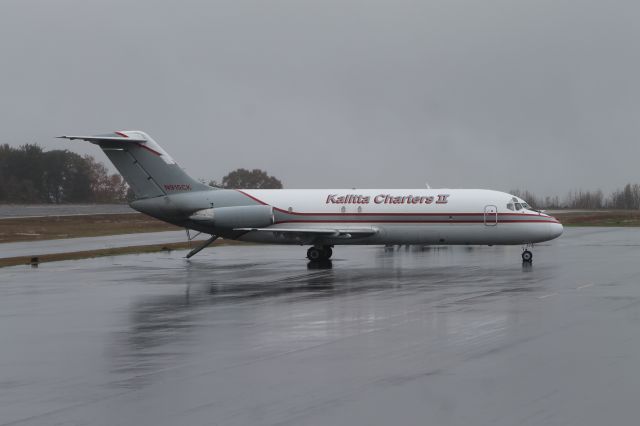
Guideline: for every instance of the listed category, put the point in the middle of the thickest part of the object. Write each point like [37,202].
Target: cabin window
[359,209]
[510,206]
[343,209]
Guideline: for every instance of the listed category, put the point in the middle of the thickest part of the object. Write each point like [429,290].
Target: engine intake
[235,217]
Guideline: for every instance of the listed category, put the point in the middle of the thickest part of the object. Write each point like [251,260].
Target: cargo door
[491,215]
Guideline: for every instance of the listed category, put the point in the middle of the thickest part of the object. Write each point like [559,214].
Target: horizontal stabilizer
[98,139]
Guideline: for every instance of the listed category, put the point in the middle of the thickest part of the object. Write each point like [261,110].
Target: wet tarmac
[69,245]
[257,336]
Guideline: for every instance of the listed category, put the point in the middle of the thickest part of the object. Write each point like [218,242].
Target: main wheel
[314,254]
[527,256]
[326,253]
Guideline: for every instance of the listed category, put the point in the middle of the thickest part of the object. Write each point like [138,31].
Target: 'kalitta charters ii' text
[387,199]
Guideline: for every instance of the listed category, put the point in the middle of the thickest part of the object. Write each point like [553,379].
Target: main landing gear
[319,253]
[527,256]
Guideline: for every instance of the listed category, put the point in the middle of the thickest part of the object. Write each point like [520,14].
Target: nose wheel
[323,253]
[527,256]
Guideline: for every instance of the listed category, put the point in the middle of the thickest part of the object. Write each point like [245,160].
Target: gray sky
[539,94]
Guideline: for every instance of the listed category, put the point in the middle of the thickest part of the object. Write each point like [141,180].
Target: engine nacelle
[235,217]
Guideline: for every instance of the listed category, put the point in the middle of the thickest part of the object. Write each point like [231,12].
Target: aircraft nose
[555,230]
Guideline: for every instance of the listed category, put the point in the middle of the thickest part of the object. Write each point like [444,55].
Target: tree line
[249,179]
[29,174]
[626,198]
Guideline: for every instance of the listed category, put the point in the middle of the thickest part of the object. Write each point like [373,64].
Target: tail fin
[146,167]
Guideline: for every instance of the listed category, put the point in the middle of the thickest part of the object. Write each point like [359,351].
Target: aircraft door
[491,215]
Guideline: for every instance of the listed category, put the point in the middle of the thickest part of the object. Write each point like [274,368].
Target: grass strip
[623,218]
[60,227]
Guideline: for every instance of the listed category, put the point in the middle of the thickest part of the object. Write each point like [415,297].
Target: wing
[318,232]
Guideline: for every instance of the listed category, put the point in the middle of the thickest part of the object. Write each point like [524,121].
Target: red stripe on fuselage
[256,199]
[121,134]
[412,221]
[404,214]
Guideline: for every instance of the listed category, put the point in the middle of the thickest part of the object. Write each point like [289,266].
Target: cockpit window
[518,206]
[526,206]
[510,206]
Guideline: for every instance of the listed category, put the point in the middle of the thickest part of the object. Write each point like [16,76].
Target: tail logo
[177,187]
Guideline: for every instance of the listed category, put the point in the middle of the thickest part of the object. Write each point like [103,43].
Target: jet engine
[235,217]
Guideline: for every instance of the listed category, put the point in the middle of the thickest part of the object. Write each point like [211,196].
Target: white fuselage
[408,216]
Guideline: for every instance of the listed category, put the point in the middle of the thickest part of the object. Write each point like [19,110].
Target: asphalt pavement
[256,335]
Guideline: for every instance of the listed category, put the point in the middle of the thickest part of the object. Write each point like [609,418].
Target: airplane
[320,218]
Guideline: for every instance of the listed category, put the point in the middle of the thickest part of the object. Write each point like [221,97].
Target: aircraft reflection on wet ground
[256,335]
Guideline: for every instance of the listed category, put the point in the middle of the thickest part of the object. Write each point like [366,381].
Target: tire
[313,254]
[527,256]
[327,253]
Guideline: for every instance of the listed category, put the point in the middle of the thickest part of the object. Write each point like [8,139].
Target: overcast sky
[502,94]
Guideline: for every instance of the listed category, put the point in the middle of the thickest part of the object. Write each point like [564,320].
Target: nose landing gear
[527,256]
[319,253]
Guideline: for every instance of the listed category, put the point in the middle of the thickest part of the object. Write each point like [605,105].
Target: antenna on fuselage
[427,185]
